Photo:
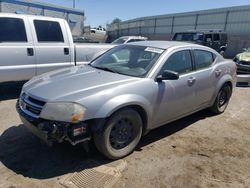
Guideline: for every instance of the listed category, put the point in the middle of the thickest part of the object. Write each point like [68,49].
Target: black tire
[121,134]
[222,99]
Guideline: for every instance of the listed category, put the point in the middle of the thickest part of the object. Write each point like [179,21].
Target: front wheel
[121,134]
[222,100]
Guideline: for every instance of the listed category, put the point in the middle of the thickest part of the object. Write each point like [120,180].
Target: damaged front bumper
[55,131]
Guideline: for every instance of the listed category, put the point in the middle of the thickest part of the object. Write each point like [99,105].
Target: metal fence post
[155,26]
[226,20]
[196,21]
[139,27]
[172,26]
[118,30]
[128,29]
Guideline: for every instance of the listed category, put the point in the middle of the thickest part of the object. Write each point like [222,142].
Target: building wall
[74,18]
[234,20]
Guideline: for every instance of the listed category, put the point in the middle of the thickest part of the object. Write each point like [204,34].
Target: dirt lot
[201,150]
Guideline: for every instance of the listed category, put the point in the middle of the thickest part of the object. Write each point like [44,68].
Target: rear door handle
[191,81]
[66,51]
[30,51]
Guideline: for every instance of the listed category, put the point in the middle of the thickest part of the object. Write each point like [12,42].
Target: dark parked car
[215,39]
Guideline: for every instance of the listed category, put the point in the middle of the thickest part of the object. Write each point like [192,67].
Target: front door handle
[30,51]
[191,81]
[66,51]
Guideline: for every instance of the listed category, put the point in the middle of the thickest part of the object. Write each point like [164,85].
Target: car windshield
[119,41]
[248,50]
[128,60]
[188,36]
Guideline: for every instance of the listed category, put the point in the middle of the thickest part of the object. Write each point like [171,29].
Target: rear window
[12,30]
[135,40]
[119,41]
[48,31]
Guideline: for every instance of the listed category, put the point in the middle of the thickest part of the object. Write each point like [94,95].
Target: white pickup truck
[31,45]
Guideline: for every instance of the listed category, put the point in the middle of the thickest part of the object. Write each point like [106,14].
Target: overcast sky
[100,12]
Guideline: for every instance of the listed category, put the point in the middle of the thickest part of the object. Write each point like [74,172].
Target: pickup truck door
[52,44]
[175,98]
[16,49]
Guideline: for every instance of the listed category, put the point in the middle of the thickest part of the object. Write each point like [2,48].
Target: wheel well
[230,84]
[142,113]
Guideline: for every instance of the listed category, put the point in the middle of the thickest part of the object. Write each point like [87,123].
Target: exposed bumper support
[52,131]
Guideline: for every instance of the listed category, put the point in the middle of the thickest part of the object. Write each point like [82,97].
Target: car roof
[29,15]
[134,37]
[205,32]
[163,44]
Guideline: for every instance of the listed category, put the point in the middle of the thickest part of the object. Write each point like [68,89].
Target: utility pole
[74,3]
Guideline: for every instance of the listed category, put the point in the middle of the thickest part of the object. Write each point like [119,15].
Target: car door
[16,49]
[52,49]
[206,76]
[175,98]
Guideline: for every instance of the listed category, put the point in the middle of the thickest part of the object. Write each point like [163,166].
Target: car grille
[243,71]
[245,62]
[30,105]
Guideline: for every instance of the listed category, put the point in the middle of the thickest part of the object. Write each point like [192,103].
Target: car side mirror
[167,75]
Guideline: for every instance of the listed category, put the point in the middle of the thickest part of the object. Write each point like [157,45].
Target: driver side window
[179,62]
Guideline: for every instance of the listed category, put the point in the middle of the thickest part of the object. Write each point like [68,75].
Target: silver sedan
[126,92]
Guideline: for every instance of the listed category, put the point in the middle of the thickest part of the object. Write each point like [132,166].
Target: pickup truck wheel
[222,100]
[121,134]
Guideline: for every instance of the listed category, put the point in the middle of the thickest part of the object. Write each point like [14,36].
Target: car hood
[73,84]
[245,56]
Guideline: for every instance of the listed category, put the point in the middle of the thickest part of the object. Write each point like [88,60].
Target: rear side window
[203,59]
[12,30]
[216,37]
[179,62]
[48,31]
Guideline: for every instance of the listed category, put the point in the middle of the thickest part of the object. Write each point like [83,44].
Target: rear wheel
[121,134]
[222,99]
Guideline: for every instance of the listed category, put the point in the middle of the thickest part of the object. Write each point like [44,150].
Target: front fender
[116,103]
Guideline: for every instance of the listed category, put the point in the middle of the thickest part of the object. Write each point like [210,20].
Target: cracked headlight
[63,111]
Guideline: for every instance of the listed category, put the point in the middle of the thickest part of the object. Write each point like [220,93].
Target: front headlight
[236,60]
[63,111]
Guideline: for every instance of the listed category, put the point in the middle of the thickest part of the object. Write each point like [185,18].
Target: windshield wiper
[106,69]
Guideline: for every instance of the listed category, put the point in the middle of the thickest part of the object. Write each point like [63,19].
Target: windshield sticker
[155,50]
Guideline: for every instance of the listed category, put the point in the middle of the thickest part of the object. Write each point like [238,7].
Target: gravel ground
[200,150]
